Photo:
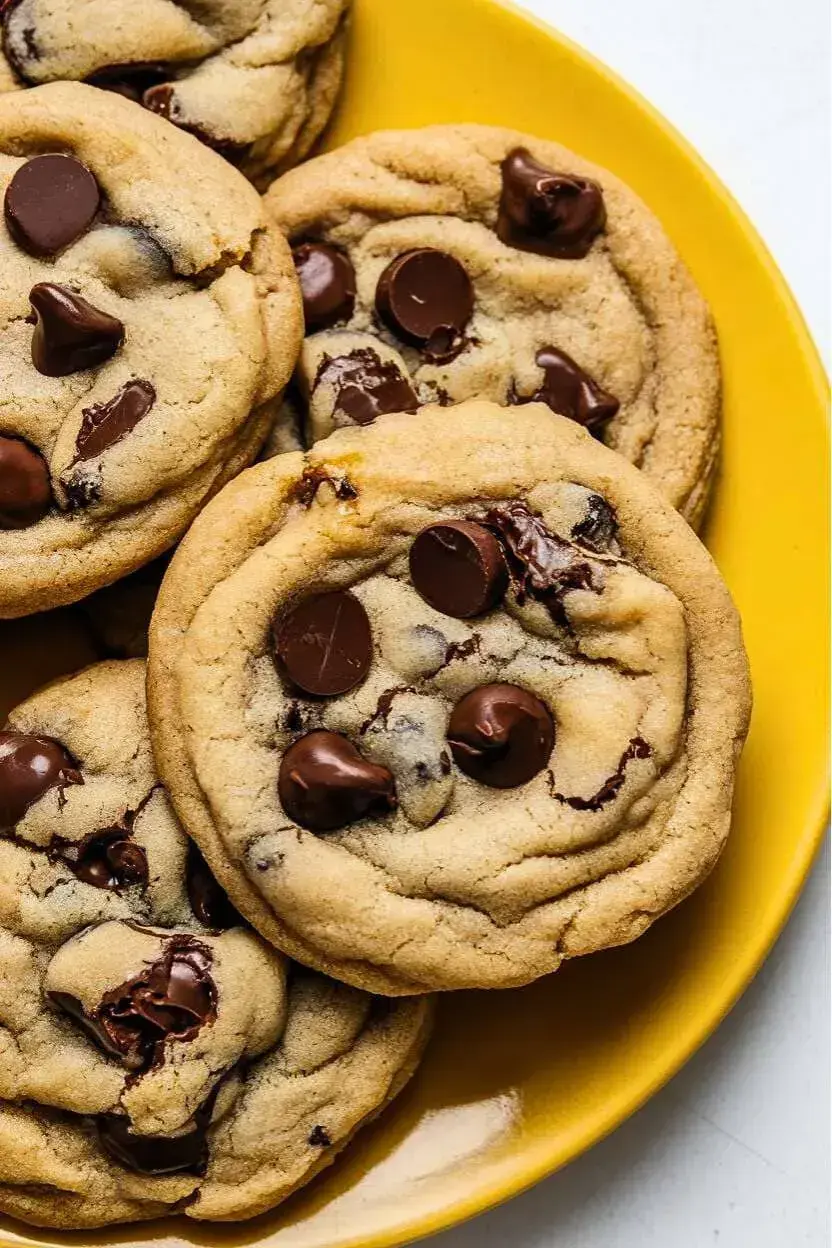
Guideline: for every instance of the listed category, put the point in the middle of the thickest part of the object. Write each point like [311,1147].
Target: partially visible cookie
[449,699]
[118,616]
[150,321]
[156,1056]
[457,262]
[254,79]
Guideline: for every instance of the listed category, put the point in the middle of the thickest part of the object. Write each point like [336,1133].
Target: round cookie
[456,262]
[534,759]
[254,79]
[150,321]
[157,1056]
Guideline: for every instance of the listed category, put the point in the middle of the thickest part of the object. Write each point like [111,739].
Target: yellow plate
[517,1084]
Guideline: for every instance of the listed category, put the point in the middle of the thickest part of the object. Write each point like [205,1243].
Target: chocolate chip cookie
[457,262]
[156,1056]
[150,322]
[449,699]
[254,79]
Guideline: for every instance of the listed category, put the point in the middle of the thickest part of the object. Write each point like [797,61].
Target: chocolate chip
[313,478]
[551,213]
[327,283]
[108,859]
[161,100]
[324,645]
[501,735]
[29,767]
[425,297]
[571,392]
[154,1154]
[366,386]
[637,748]
[130,78]
[458,567]
[50,202]
[104,424]
[25,486]
[70,334]
[325,784]
[209,900]
[319,1137]
[541,564]
[599,526]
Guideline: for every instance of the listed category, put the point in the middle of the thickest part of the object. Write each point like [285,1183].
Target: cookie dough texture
[283,1070]
[463,885]
[628,312]
[256,79]
[179,253]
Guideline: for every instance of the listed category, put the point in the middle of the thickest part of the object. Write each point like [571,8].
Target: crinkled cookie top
[452,698]
[455,262]
[153,1056]
[255,79]
[149,322]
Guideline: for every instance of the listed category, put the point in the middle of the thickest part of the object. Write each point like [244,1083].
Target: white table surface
[734,1153]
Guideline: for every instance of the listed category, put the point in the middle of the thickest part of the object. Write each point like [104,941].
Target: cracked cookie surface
[449,699]
[150,320]
[470,261]
[254,79]
[157,1055]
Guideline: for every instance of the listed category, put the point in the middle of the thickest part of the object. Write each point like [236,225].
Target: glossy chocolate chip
[541,564]
[25,486]
[154,1154]
[327,283]
[209,900]
[104,424]
[599,526]
[366,386]
[501,735]
[29,767]
[324,645]
[108,859]
[425,297]
[459,568]
[50,202]
[70,333]
[551,213]
[325,784]
[130,78]
[571,392]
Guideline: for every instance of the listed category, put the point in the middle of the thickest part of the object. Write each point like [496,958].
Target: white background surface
[734,1153]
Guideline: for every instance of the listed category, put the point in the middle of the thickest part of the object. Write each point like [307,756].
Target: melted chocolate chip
[325,784]
[459,568]
[327,283]
[29,767]
[104,424]
[70,333]
[209,900]
[25,485]
[130,78]
[107,859]
[542,565]
[366,386]
[599,526]
[319,1137]
[324,645]
[169,1000]
[425,297]
[50,202]
[638,748]
[501,735]
[154,1154]
[551,213]
[313,478]
[571,392]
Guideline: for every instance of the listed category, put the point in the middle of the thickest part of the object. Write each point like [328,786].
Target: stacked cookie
[441,692]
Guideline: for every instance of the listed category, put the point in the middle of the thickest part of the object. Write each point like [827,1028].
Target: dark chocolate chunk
[108,859]
[551,213]
[209,900]
[366,386]
[638,748]
[130,78]
[327,283]
[319,1137]
[313,478]
[459,568]
[599,526]
[50,202]
[325,784]
[154,1154]
[324,645]
[571,392]
[501,735]
[29,767]
[25,485]
[70,333]
[425,297]
[541,564]
[104,424]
